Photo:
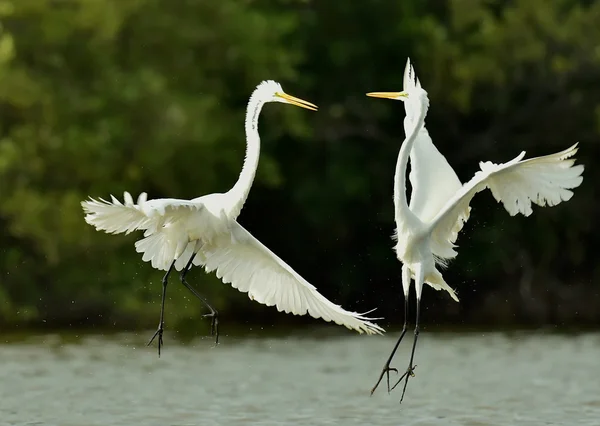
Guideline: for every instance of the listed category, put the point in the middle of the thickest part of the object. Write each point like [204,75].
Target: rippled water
[474,379]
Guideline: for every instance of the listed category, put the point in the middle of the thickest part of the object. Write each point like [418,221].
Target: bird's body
[181,227]
[204,231]
[429,169]
[427,228]
[176,229]
[170,225]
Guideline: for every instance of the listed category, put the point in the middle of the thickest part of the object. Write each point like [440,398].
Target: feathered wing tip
[371,328]
[569,152]
[252,268]
[365,326]
[368,312]
[545,181]
[321,308]
[565,157]
[115,217]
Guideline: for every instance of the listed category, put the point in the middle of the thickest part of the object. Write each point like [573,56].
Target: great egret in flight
[427,228]
[204,231]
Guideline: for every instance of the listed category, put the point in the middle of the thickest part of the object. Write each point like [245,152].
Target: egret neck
[237,195]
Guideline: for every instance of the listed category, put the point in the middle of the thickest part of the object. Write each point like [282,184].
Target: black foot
[159,333]
[386,370]
[214,325]
[410,372]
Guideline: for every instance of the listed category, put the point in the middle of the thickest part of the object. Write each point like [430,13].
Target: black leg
[386,368]
[214,326]
[161,322]
[410,371]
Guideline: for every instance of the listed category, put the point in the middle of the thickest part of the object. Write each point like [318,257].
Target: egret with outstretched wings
[204,231]
[427,228]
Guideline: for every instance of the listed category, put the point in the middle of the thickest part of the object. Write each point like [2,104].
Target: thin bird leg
[410,371]
[214,326]
[386,368]
[161,322]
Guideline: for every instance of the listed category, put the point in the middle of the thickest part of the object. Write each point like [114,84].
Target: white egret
[204,231]
[427,228]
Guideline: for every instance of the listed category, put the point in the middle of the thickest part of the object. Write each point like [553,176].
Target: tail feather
[437,282]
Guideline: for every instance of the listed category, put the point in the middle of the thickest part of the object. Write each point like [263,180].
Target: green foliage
[100,97]
[103,96]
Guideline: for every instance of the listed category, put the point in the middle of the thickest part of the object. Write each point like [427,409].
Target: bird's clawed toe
[214,325]
[411,371]
[159,333]
[386,370]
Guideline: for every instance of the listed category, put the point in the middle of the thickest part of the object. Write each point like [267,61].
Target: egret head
[413,95]
[271,91]
[413,99]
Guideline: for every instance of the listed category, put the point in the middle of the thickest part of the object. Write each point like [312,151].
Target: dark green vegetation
[102,96]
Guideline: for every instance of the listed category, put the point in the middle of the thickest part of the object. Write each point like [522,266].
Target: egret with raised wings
[204,231]
[427,228]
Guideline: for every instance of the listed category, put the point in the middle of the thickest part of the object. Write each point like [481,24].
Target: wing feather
[251,267]
[161,243]
[545,180]
[115,217]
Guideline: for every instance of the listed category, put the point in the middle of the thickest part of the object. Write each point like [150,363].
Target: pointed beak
[296,101]
[388,95]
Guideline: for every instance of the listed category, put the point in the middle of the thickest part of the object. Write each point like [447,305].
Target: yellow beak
[387,95]
[297,101]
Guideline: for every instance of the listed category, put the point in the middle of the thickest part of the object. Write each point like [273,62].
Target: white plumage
[175,229]
[428,227]
[205,231]
[251,267]
[517,184]
[432,179]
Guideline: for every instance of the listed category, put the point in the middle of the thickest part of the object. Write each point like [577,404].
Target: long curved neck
[400,201]
[239,193]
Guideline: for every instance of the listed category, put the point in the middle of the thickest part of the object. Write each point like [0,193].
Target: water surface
[470,379]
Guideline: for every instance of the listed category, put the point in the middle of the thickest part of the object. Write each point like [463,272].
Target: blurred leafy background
[103,96]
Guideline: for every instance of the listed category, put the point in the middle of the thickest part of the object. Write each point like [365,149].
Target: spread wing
[243,261]
[545,180]
[115,217]
[160,248]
